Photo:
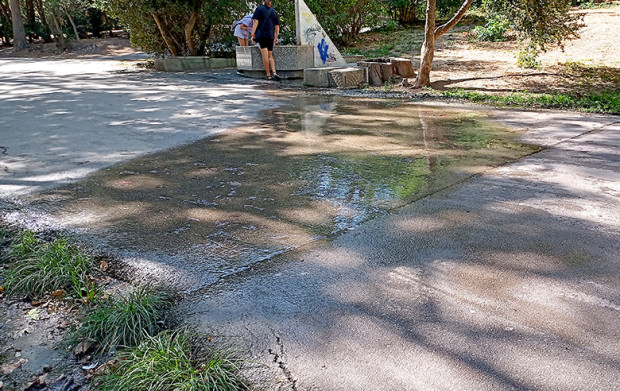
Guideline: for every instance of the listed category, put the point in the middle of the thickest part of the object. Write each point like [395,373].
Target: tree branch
[444,28]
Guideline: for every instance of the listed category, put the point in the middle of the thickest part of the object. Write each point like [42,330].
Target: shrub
[124,321]
[493,30]
[168,362]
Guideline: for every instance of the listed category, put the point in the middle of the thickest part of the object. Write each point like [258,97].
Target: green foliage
[212,21]
[541,24]
[493,31]
[595,102]
[390,26]
[403,11]
[24,245]
[381,51]
[124,321]
[344,19]
[37,269]
[168,362]
[527,57]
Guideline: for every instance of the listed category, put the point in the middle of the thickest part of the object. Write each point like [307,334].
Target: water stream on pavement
[313,168]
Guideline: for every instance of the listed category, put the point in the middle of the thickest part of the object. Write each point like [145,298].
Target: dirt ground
[591,62]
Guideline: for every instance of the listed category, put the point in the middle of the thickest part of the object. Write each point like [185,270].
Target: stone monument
[314,49]
[310,33]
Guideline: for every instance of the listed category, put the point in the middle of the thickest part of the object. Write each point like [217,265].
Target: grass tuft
[124,321]
[37,269]
[6,239]
[167,362]
[595,102]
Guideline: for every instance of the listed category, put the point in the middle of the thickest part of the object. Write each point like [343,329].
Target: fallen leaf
[36,303]
[34,314]
[82,348]
[103,266]
[10,367]
[58,294]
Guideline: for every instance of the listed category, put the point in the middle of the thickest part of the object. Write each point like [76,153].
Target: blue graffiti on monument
[323,48]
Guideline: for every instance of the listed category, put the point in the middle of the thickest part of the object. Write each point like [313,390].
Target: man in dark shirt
[265,31]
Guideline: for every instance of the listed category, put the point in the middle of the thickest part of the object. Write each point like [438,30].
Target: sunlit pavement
[508,280]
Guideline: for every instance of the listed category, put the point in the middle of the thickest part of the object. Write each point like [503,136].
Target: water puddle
[307,170]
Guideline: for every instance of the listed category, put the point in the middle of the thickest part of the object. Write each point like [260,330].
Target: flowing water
[311,169]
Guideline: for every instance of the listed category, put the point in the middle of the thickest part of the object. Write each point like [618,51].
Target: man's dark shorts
[266,43]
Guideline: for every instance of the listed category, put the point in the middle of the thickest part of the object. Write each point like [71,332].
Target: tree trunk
[430,36]
[109,24]
[204,35]
[19,33]
[166,35]
[407,14]
[189,28]
[30,18]
[6,10]
[41,12]
[77,36]
[428,47]
[61,42]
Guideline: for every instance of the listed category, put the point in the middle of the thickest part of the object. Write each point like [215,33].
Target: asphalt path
[508,281]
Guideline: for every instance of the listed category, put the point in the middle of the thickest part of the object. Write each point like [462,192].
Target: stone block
[349,77]
[287,58]
[317,77]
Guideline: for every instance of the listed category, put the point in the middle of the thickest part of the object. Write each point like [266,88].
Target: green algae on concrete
[307,170]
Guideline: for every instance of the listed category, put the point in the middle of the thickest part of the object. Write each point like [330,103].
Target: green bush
[124,321]
[37,269]
[493,31]
[168,362]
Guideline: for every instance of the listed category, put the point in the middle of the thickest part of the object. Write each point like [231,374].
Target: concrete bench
[290,60]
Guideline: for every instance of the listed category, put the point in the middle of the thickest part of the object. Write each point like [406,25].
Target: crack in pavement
[277,359]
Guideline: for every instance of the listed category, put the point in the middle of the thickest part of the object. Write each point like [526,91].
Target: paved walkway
[63,119]
[507,281]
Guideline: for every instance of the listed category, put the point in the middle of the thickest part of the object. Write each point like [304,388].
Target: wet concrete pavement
[506,280]
[509,281]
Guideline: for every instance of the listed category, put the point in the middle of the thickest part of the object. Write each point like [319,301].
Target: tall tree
[539,23]
[19,32]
